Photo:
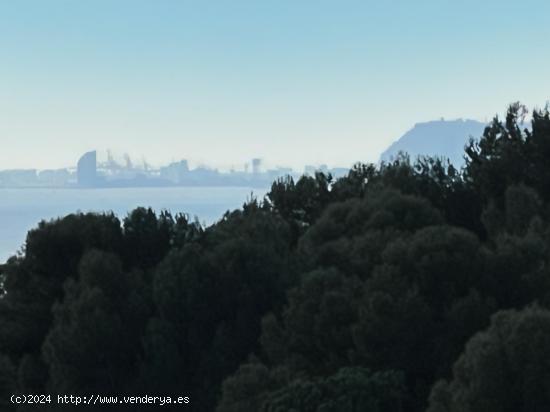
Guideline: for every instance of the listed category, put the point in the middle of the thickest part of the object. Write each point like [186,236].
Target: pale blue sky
[291,81]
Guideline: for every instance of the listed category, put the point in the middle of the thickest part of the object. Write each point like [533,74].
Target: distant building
[86,170]
[175,172]
[18,178]
[256,166]
[284,171]
[54,177]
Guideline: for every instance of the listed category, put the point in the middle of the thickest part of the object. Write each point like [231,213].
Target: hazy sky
[291,81]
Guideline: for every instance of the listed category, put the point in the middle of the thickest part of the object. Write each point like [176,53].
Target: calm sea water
[22,209]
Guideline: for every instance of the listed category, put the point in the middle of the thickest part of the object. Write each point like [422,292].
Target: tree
[246,389]
[351,235]
[300,203]
[146,238]
[7,383]
[421,304]
[315,334]
[210,296]
[504,368]
[94,342]
[348,390]
[509,154]
[34,281]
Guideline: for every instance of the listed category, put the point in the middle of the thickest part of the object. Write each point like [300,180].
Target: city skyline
[120,159]
[89,172]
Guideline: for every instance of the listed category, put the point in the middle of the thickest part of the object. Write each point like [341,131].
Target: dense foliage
[403,287]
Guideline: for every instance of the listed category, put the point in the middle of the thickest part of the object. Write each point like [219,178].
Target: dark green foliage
[300,203]
[148,238]
[356,294]
[210,297]
[351,235]
[522,206]
[505,368]
[349,390]
[315,333]
[412,314]
[7,383]
[35,281]
[510,154]
[245,391]
[355,183]
[253,389]
[94,342]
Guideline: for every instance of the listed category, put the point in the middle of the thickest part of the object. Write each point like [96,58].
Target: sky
[291,81]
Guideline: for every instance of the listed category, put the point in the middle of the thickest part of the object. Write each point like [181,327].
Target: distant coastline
[89,173]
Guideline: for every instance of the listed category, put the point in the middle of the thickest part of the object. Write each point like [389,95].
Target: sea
[22,209]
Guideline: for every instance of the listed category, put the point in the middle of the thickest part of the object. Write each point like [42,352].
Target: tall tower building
[86,170]
[256,166]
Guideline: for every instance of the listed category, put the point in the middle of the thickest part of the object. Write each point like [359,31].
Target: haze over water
[22,209]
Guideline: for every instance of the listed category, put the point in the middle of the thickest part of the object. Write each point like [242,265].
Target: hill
[436,138]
